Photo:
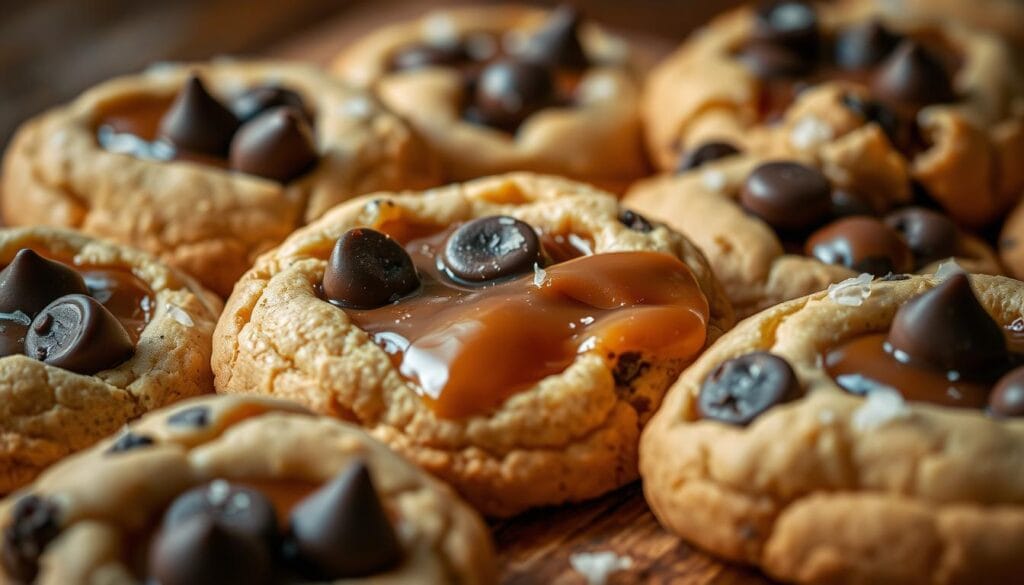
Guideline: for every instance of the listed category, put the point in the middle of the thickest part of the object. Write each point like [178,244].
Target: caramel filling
[132,125]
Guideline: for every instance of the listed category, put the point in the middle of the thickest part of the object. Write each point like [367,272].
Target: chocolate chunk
[35,522]
[557,43]
[913,76]
[947,329]
[197,122]
[788,23]
[846,203]
[278,145]
[342,530]
[368,269]
[635,221]
[77,333]
[194,416]
[30,282]
[931,235]
[508,92]
[201,551]
[129,441]
[865,45]
[1007,398]
[740,389]
[257,100]
[767,61]
[420,55]
[787,195]
[705,153]
[241,510]
[489,248]
[862,244]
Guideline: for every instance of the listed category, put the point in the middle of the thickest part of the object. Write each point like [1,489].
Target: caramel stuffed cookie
[92,335]
[870,434]
[207,165]
[240,491]
[511,335]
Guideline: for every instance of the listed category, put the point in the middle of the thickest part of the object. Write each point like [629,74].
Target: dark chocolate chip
[862,244]
[35,522]
[846,203]
[865,45]
[77,333]
[705,153]
[913,76]
[368,269]
[420,55]
[30,282]
[193,416]
[201,551]
[278,145]
[740,389]
[342,531]
[242,510]
[197,122]
[489,248]
[947,329]
[129,441]
[635,221]
[508,92]
[767,61]
[259,99]
[931,235]
[788,23]
[1007,398]
[557,43]
[787,195]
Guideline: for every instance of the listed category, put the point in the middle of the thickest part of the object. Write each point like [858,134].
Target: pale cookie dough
[105,504]
[566,438]
[48,412]
[835,488]
[206,221]
[598,139]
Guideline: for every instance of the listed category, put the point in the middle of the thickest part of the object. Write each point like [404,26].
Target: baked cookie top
[92,335]
[229,490]
[510,334]
[871,433]
[208,165]
[510,88]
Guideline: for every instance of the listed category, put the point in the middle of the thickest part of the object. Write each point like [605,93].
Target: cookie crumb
[180,315]
[597,566]
[882,406]
[810,132]
[948,269]
[851,292]
[713,180]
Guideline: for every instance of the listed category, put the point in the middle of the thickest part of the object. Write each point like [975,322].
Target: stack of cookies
[263,322]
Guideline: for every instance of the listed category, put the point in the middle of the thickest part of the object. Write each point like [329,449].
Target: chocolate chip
[242,510]
[342,531]
[947,329]
[767,61]
[705,153]
[846,203]
[788,23]
[201,551]
[368,269]
[635,221]
[629,367]
[278,145]
[35,522]
[740,389]
[193,416]
[77,333]
[265,97]
[129,441]
[420,55]
[931,235]
[1007,398]
[899,130]
[197,122]
[30,282]
[865,45]
[489,248]
[557,43]
[787,195]
[508,92]
[862,244]
[913,76]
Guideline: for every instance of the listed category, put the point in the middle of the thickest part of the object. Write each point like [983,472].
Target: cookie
[870,434]
[510,335]
[233,490]
[778,229]
[928,102]
[1005,17]
[207,165]
[92,335]
[509,88]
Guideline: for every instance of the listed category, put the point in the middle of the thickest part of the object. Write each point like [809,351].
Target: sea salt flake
[948,269]
[810,132]
[597,566]
[882,406]
[180,315]
[540,276]
[218,491]
[851,292]
[713,180]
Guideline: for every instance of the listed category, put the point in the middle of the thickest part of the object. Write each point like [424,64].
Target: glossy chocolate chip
[420,55]
[1007,398]
[787,195]
[342,531]
[508,92]
[947,329]
[489,248]
[862,244]
[201,551]
[767,61]
[278,145]
[788,23]
[197,122]
[635,221]
[557,43]
[30,282]
[368,269]
[129,441]
[257,100]
[864,45]
[913,76]
[740,389]
[238,509]
[35,522]
[77,333]
[705,153]
[193,416]
[931,235]
[846,203]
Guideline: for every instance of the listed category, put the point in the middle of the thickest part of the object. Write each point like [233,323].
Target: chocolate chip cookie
[92,335]
[208,165]
[246,491]
[511,334]
[873,433]
[509,88]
